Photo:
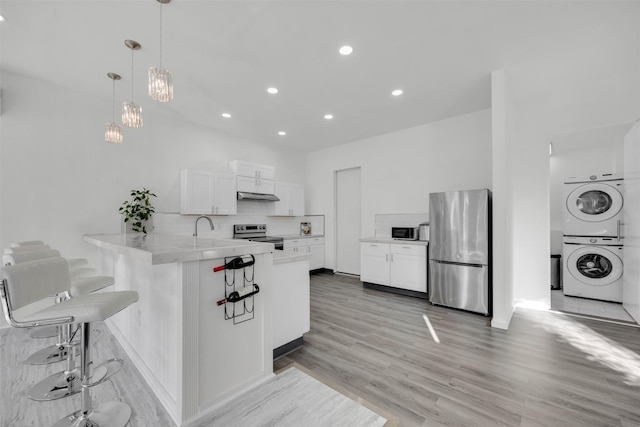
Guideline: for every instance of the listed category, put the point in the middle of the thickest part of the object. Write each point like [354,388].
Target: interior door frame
[335,213]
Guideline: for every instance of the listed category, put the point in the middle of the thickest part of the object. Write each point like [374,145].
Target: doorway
[573,157]
[348,221]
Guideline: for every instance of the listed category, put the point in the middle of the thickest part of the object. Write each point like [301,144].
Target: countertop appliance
[593,268]
[256,233]
[593,206]
[404,233]
[423,231]
[460,250]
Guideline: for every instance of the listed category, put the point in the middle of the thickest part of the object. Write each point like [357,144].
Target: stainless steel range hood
[258,197]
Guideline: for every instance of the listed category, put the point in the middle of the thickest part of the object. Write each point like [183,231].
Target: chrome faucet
[195,227]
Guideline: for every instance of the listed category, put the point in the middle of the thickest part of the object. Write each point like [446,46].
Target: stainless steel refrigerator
[460,250]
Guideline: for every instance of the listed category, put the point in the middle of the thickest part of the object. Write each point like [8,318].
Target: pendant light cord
[161,35]
[132,74]
[113,100]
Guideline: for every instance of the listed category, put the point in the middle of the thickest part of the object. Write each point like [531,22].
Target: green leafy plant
[138,210]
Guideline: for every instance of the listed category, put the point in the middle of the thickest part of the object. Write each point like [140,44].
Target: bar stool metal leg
[68,382]
[109,414]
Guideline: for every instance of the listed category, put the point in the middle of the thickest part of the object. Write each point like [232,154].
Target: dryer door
[594,202]
[594,265]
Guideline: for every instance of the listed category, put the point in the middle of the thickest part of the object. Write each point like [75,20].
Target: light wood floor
[547,370]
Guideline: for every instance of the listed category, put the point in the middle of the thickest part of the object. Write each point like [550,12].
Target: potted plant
[138,210]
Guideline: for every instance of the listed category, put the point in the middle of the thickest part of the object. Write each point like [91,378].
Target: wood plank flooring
[547,370]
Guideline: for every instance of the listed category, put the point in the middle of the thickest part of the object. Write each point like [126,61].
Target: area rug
[294,398]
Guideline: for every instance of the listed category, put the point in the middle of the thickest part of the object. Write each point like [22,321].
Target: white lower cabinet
[309,245]
[397,265]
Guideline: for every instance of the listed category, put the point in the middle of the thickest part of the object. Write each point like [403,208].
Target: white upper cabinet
[256,185]
[207,193]
[254,177]
[252,170]
[291,200]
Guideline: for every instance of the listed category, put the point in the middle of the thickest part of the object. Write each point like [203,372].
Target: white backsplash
[249,212]
[384,222]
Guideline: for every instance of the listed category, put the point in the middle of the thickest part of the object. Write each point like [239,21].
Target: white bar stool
[50,388]
[29,282]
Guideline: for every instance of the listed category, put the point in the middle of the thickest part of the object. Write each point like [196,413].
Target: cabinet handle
[406,247]
[374,246]
[386,257]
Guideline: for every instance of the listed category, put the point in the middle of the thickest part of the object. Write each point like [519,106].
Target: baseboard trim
[391,289]
[287,348]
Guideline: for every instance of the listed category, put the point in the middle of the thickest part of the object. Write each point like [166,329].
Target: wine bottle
[237,263]
[240,294]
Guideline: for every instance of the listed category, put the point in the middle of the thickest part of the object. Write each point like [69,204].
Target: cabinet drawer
[315,241]
[374,248]
[409,249]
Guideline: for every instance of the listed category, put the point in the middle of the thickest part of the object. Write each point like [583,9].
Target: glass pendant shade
[113,133]
[131,115]
[160,84]
[132,112]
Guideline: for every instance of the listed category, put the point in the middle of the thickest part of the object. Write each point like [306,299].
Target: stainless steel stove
[256,233]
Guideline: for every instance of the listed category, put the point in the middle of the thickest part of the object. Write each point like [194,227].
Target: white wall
[60,180]
[583,153]
[400,169]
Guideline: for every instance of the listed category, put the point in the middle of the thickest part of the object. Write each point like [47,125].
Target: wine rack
[236,279]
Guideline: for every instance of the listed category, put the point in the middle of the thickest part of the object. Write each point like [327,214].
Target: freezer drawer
[459,286]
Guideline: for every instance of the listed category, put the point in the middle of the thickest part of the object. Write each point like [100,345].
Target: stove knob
[593,240]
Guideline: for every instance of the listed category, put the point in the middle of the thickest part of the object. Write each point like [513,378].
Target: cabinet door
[408,271]
[281,207]
[225,199]
[296,200]
[266,186]
[196,189]
[317,257]
[266,172]
[242,168]
[374,263]
[247,184]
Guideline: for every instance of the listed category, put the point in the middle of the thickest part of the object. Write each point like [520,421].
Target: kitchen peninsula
[193,353]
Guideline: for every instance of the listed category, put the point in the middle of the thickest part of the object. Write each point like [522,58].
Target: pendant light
[113,133]
[132,112]
[160,83]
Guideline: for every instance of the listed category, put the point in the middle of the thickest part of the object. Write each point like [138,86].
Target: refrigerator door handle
[458,263]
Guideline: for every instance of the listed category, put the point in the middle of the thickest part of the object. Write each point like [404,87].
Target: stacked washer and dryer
[592,245]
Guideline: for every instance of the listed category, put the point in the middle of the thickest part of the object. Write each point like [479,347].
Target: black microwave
[404,233]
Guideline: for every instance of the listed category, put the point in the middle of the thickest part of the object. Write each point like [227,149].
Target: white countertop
[395,241]
[300,236]
[168,248]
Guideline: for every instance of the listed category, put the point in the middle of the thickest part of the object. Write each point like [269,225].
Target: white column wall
[400,169]
[502,138]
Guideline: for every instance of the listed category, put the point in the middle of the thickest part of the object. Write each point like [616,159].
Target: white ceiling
[224,54]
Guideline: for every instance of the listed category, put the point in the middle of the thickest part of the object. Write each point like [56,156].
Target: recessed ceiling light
[345,50]
[397,92]
[2,18]
[226,115]
[272,90]
[282,133]
[328,116]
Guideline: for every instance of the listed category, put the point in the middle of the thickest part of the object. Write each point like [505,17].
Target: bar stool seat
[85,308]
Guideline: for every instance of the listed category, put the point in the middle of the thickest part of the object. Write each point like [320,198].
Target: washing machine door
[594,265]
[594,202]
